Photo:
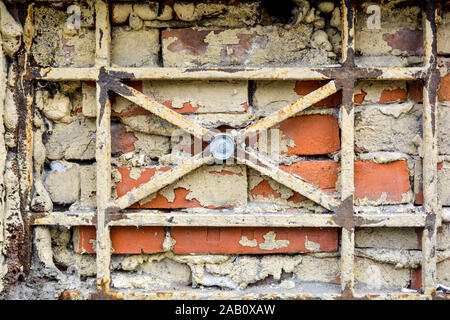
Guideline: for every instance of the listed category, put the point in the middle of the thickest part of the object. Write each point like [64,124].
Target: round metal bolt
[222,147]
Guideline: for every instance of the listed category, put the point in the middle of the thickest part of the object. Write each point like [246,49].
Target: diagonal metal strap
[249,158]
[290,110]
[161,180]
[159,109]
[266,167]
[296,183]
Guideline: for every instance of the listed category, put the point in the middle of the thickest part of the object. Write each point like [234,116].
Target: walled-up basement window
[224,149]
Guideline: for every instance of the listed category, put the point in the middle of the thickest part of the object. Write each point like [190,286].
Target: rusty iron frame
[342,77]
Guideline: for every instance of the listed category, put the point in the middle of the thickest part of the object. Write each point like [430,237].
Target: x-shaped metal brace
[242,152]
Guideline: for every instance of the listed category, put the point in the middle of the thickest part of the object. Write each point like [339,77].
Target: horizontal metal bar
[230,219]
[232,73]
[239,295]
[390,220]
[225,73]
[391,73]
[68,219]
[223,220]
[66,74]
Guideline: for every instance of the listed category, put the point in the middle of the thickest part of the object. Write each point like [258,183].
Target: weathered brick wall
[388,146]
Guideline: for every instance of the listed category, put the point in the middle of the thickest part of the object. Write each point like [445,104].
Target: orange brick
[307,86]
[125,239]
[444,89]
[324,174]
[181,195]
[359,98]
[373,179]
[392,95]
[160,202]
[311,134]
[208,240]
[187,107]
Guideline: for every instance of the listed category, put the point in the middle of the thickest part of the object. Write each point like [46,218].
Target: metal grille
[343,214]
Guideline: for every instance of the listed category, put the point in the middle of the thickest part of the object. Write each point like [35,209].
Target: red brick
[444,88]
[125,239]
[122,141]
[264,189]
[190,47]
[359,98]
[304,87]
[312,134]
[192,43]
[127,184]
[373,179]
[181,195]
[392,95]
[324,174]
[407,40]
[208,240]
[415,91]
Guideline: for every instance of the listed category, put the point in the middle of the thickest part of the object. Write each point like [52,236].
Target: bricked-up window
[156,148]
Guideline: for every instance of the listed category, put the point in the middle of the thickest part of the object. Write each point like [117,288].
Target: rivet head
[222,147]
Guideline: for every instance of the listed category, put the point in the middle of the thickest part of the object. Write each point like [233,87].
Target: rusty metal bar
[66,74]
[430,151]
[347,113]
[102,34]
[290,110]
[231,73]
[160,110]
[266,167]
[146,218]
[161,180]
[103,149]
[193,294]
[226,219]
[25,144]
[69,219]
[3,150]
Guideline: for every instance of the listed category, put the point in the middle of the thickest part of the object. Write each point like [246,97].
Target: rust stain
[191,40]
[406,40]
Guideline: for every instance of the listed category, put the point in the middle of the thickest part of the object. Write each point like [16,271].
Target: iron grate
[342,77]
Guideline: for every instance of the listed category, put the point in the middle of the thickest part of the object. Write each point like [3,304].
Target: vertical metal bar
[103,150]
[3,150]
[430,151]
[347,151]
[348,32]
[102,34]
